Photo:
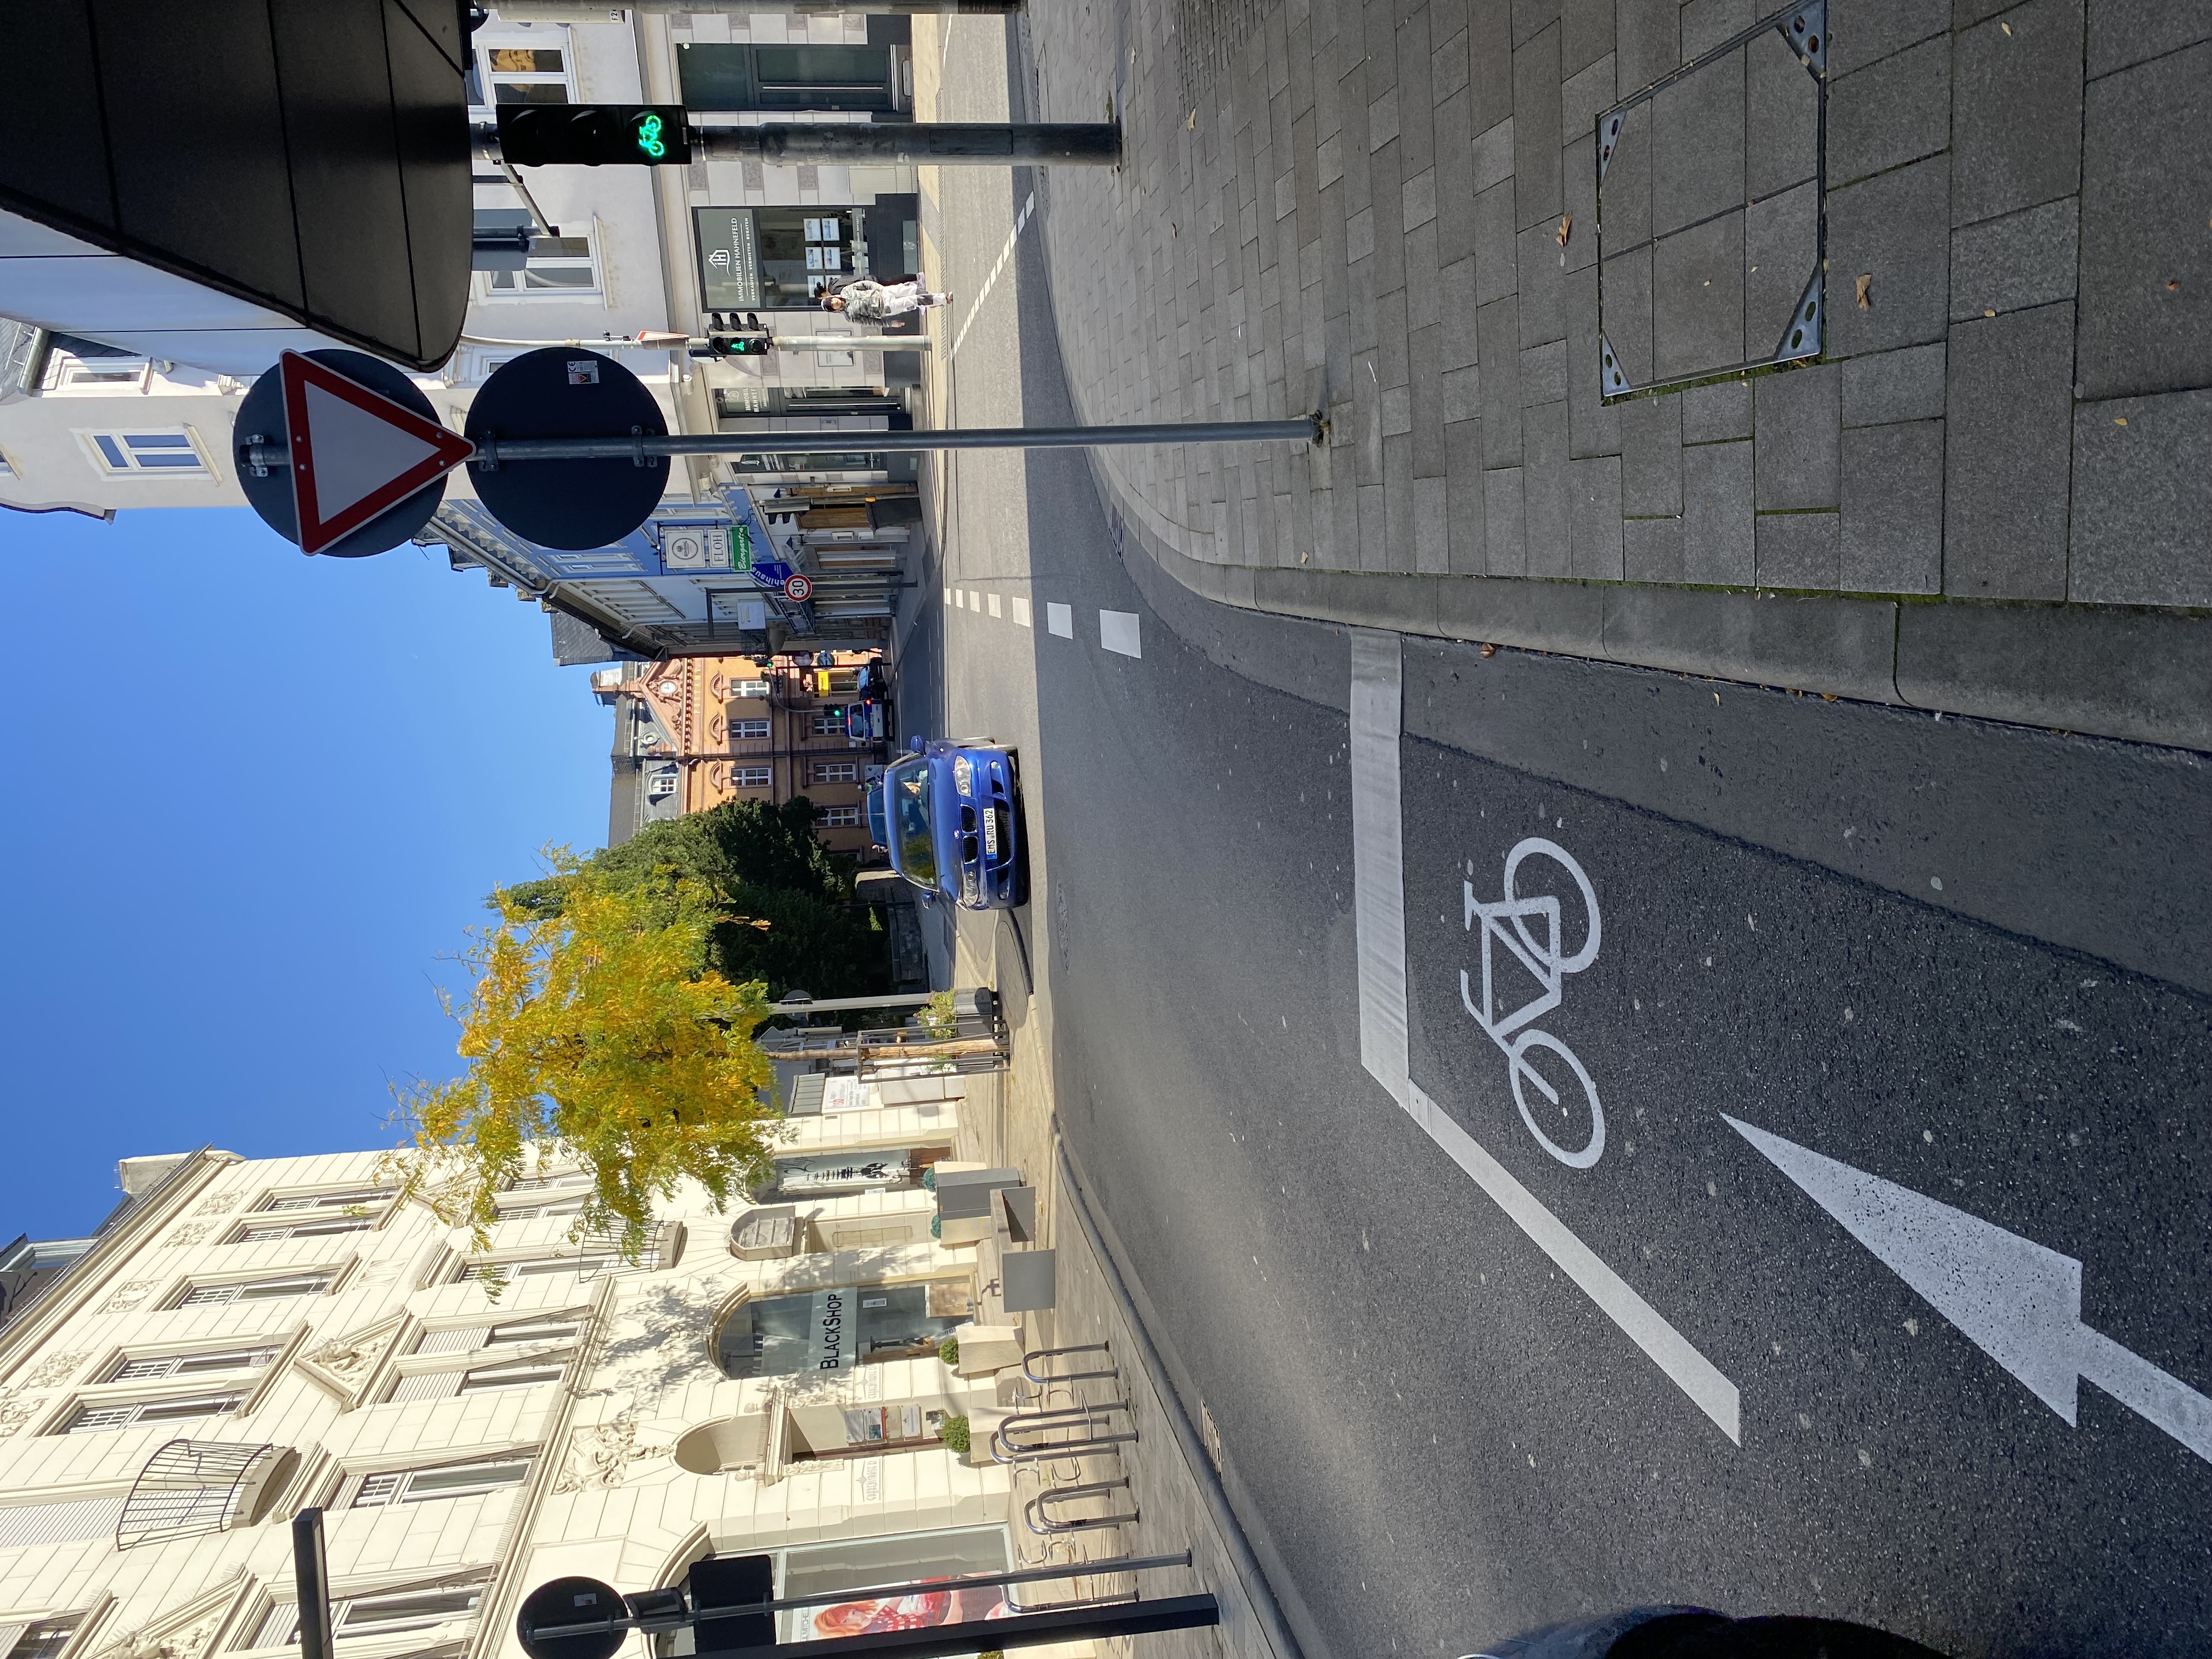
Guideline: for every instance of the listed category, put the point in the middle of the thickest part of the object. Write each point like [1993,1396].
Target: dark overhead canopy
[309,155]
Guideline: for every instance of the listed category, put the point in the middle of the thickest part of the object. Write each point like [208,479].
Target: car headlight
[963,774]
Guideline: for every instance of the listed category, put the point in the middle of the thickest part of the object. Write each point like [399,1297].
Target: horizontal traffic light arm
[615,135]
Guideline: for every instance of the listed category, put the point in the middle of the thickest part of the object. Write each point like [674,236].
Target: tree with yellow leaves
[594,1034]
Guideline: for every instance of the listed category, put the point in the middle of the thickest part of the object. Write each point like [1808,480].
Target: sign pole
[312,1574]
[491,453]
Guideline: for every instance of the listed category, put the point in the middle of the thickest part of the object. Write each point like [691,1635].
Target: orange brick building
[692,732]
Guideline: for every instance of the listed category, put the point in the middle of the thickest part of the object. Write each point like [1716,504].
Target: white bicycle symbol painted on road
[1529,930]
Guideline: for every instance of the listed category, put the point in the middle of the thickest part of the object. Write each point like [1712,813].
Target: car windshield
[907,784]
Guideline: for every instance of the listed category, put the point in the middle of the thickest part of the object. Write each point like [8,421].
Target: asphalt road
[1971,961]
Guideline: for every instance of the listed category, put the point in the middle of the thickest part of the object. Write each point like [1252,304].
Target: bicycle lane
[1779,1368]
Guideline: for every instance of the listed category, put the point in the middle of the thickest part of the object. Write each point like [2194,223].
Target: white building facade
[250,1338]
[120,385]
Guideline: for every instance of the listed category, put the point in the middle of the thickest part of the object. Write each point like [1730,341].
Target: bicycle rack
[1038,1520]
[1029,1359]
[1011,1442]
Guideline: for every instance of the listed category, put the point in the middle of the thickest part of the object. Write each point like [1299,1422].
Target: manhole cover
[1711,216]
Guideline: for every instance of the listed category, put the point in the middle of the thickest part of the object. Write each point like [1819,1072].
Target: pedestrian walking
[870,302]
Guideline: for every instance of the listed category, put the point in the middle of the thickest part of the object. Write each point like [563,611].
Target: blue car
[951,815]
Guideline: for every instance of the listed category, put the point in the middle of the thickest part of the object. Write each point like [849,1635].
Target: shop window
[776,258]
[861,1565]
[780,77]
[839,1328]
[820,1175]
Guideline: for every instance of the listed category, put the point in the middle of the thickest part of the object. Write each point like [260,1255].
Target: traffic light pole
[913,143]
[492,452]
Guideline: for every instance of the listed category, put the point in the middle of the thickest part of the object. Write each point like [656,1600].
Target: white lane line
[976,305]
[948,596]
[1379,895]
[1059,619]
[974,600]
[991,601]
[1021,610]
[1117,631]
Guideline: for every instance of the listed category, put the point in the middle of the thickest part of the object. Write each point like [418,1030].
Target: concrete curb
[2143,676]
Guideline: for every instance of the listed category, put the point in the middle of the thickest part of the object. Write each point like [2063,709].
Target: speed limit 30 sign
[798,588]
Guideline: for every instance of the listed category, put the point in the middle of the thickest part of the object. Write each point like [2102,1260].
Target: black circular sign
[565,391]
[261,415]
[570,1602]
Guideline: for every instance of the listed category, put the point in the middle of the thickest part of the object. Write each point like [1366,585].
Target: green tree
[596,1030]
[785,904]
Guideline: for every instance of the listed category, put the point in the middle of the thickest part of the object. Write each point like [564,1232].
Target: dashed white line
[974,600]
[1117,631]
[1059,619]
[948,596]
[1379,898]
[976,305]
[991,603]
[1021,610]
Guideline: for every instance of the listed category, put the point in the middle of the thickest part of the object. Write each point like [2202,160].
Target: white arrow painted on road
[2018,1302]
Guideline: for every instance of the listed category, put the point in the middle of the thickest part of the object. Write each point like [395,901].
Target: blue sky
[256,798]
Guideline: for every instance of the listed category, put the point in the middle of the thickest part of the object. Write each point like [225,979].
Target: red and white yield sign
[798,588]
[355,453]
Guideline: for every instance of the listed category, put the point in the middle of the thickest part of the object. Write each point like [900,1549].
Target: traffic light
[729,335]
[593,135]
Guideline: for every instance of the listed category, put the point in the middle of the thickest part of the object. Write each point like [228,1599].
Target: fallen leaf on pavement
[1191,124]
[1866,292]
[1489,650]
[1566,225]
[2119,420]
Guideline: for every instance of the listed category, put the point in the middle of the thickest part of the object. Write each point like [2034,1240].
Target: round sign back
[261,415]
[565,391]
[570,1602]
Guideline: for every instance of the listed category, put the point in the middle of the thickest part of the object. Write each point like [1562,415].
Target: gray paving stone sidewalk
[1457,225]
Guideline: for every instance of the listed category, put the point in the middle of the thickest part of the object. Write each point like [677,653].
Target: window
[526,74]
[835,1329]
[255,1290]
[306,1227]
[828,722]
[538,1184]
[353,1198]
[124,454]
[45,1639]
[73,373]
[123,1414]
[749,777]
[531,1212]
[748,731]
[536,1268]
[836,818]
[661,784]
[836,771]
[453,1480]
[554,264]
[133,1368]
[373,1615]
[482,1379]
[749,688]
[516,1333]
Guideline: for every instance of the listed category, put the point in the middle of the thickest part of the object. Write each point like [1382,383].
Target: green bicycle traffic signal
[593,135]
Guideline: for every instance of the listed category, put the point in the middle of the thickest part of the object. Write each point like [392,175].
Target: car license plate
[990,834]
